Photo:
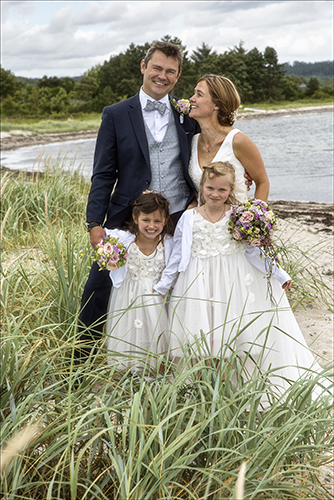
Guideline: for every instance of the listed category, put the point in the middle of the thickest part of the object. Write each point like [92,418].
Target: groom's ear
[142,66]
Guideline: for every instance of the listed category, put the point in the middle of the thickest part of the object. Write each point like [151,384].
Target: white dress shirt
[156,122]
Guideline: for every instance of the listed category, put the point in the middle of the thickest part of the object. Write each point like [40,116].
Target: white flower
[248,279]
[251,298]
[138,323]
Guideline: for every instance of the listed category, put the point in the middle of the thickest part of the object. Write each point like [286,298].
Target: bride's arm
[250,158]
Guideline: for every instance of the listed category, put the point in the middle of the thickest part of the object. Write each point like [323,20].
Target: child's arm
[253,256]
[170,272]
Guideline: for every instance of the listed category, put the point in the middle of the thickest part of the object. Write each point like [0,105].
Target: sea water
[297,150]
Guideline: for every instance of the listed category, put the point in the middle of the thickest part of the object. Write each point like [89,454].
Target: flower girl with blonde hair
[221,290]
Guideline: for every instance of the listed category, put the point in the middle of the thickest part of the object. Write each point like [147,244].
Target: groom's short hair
[167,48]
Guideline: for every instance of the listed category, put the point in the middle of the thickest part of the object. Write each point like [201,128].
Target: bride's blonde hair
[217,169]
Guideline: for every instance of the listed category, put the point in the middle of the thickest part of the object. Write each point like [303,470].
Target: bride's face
[202,105]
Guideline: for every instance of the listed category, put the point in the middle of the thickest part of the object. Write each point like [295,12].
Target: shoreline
[19,138]
[316,217]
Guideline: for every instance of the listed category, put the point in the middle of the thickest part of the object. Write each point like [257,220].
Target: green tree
[9,106]
[51,82]
[8,84]
[86,88]
[201,54]
[274,73]
[68,84]
[255,65]
[312,86]
[291,87]
[232,65]
[60,102]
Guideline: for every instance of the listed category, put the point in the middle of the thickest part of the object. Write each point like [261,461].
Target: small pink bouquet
[110,254]
[253,223]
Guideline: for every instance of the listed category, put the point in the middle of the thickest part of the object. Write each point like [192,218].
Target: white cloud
[60,21]
[104,13]
[67,38]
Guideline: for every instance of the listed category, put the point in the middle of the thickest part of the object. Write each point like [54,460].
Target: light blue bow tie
[152,105]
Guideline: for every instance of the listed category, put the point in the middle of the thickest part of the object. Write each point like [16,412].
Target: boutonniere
[182,106]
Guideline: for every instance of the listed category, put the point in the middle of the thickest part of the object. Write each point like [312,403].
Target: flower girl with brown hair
[137,320]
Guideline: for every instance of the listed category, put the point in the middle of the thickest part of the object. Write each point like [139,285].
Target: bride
[214,106]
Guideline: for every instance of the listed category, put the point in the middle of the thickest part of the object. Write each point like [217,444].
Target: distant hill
[34,81]
[323,70]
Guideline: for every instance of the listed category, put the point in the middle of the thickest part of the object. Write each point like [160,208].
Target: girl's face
[216,190]
[150,225]
[202,104]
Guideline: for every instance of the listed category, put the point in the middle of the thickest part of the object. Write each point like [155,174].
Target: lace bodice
[210,239]
[145,267]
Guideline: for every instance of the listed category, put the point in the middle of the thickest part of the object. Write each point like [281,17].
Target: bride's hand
[248,181]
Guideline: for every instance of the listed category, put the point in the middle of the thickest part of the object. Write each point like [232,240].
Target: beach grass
[102,433]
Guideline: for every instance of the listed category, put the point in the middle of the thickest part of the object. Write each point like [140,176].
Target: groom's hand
[96,235]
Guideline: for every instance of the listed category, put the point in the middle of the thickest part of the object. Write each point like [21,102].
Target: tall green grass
[101,433]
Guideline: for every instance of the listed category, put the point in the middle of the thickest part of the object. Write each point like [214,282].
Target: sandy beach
[308,227]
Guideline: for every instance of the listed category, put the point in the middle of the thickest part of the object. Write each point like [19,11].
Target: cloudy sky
[66,38]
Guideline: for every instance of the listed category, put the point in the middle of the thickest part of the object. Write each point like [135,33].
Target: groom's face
[160,75]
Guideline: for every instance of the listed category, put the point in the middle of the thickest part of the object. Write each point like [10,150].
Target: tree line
[258,77]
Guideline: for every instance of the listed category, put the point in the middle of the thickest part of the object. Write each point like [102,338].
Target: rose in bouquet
[110,254]
[253,223]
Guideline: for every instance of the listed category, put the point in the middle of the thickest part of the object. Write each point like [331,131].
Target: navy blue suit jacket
[121,169]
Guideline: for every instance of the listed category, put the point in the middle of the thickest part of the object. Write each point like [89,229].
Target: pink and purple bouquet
[110,254]
[253,223]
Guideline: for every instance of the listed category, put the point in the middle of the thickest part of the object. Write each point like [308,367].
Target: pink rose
[111,266]
[108,248]
[114,257]
[246,217]
[236,235]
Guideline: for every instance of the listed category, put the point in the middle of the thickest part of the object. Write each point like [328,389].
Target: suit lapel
[136,118]
[183,140]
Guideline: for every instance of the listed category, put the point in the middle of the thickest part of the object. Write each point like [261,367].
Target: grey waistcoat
[166,167]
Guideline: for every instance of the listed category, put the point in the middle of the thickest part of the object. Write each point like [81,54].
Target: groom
[143,142]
